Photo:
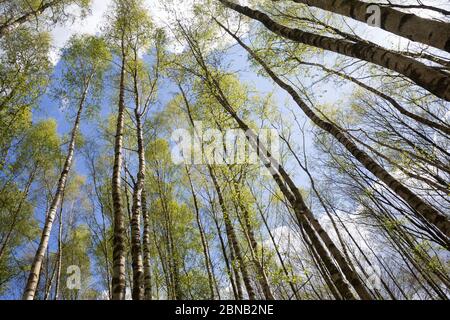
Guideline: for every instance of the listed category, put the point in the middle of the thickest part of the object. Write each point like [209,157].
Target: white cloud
[90,25]
[163,18]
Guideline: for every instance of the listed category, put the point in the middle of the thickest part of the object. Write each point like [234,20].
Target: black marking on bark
[443,85]
[403,20]
[352,11]
[383,18]
[447,45]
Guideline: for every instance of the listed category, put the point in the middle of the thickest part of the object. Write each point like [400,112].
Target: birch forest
[224,150]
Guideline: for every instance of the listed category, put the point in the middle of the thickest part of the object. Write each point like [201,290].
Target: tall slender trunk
[172,255]
[164,266]
[58,271]
[105,244]
[248,233]
[277,251]
[366,258]
[118,277]
[235,269]
[233,238]
[202,236]
[179,294]
[424,210]
[235,285]
[33,278]
[49,276]
[146,248]
[425,76]
[262,276]
[431,32]
[302,216]
[136,248]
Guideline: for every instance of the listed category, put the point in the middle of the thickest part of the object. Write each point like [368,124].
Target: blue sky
[237,57]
